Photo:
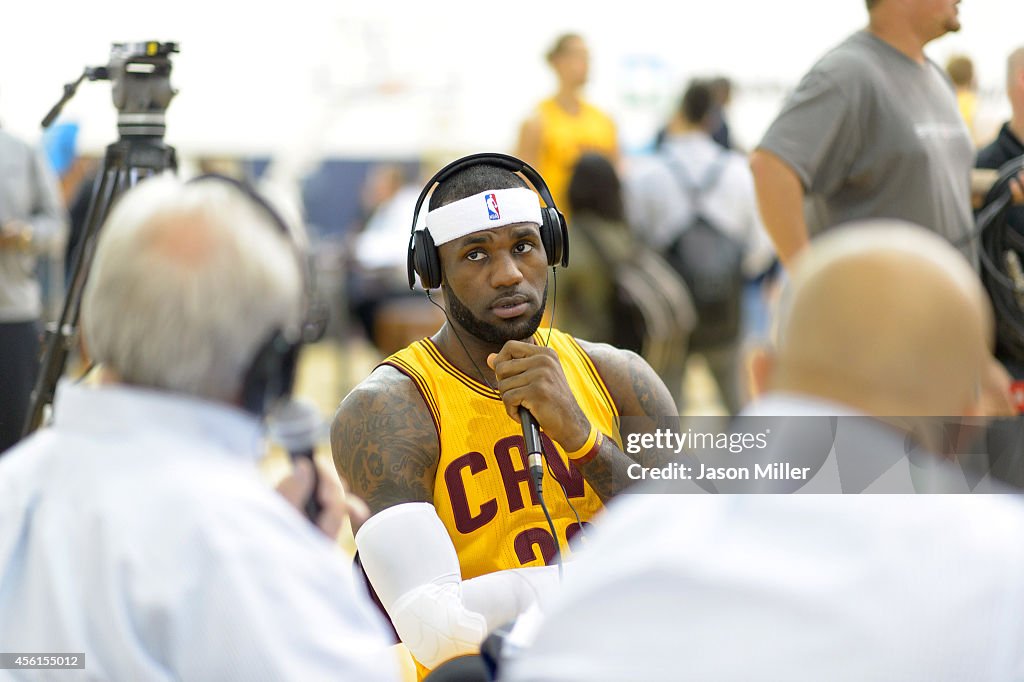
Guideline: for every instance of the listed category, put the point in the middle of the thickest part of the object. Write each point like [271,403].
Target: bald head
[885,317]
[1015,62]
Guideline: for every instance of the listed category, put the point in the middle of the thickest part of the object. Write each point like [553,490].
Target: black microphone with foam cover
[298,426]
[534,451]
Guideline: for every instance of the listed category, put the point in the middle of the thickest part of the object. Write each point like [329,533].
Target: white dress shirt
[790,587]
[137,530]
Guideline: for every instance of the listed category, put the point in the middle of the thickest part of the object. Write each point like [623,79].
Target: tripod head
[140,74]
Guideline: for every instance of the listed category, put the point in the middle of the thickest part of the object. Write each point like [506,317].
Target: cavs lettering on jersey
[482,491]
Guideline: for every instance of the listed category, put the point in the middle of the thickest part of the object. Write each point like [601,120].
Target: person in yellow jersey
[565,126]
[458,542]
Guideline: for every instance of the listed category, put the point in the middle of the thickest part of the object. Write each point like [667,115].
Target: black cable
[554,303]
[997,241]
[551,527]
[461,343]
[575,513]
[547,343]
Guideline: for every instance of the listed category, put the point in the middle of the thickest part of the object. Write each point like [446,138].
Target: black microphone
[535,454]
[297,426]
[535,464]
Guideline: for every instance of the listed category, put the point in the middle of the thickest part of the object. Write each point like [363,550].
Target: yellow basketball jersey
[564,137]
[482,491]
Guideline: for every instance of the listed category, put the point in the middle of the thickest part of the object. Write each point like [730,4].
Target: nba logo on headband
[492,207]
[461,217]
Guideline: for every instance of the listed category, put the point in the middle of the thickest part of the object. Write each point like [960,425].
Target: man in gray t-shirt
[872,131]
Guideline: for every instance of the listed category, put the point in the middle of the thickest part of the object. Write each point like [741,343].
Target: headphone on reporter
[423,259]
[271,373]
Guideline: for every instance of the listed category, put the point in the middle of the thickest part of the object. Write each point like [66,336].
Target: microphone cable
[535,465]
[547,344]
[458,336]
[554,304]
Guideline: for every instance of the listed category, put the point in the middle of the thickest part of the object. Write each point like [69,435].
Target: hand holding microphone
[313,488]
[532,384]
[531,377]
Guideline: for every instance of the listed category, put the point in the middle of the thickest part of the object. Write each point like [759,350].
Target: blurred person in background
[32,222]
[565,125]
[619,290]
[872,131]
[960,69]
[137,528]
[721,92]
[376,288]
[693,177]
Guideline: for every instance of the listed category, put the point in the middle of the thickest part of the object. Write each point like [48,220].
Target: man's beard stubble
[491,333]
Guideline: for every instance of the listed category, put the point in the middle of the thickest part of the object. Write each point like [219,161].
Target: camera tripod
[141,89]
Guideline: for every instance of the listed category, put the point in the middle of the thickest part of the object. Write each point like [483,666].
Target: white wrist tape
[484,211]
[412,565]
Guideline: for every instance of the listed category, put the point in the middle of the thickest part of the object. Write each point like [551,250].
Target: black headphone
[423,259]
[271,374]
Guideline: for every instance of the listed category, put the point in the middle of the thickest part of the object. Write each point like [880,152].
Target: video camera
[140,74]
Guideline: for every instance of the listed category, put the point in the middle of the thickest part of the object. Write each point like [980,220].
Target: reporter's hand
[531,376]
[335,502]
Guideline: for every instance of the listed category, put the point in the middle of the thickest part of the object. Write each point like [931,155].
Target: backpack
[710,261]
[649,303]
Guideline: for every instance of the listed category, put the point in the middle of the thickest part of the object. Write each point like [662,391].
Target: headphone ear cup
[425,260]
[554,236]
[271,374]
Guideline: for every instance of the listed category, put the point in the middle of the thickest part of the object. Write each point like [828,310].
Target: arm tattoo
[657,410]
[645,404]
[384,442]
[606,473]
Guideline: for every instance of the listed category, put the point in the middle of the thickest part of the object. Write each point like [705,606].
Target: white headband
[484,211]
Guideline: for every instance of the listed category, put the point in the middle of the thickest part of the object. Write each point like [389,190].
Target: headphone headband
[271,375]
[553,228]
[505,161]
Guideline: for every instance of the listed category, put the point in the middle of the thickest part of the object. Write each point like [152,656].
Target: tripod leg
[127,162]
[58,341]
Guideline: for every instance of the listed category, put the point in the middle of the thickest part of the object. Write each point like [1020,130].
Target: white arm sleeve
[503,596]
[411,563]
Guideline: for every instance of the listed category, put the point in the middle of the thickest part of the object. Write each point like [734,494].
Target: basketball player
[458,542]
